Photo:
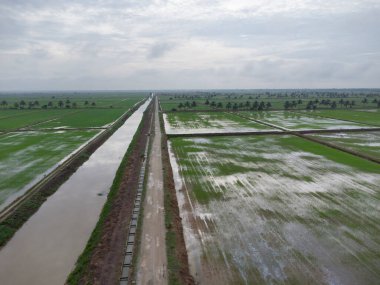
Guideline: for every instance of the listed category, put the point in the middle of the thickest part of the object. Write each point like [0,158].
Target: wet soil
[174,225]
[152,268]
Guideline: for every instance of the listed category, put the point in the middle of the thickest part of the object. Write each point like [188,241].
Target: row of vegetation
[261,106]
[35,104]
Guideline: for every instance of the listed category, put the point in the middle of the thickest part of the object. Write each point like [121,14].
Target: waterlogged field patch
[364,142]
[277,210]
[25,156]
[371,116]
[218,122]
[299,121]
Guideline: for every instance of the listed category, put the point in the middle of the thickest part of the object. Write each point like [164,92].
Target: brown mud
[174,223]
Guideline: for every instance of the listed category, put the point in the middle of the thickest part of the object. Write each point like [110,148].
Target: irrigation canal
[47,246]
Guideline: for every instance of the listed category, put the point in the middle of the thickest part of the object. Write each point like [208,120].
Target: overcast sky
[189,44]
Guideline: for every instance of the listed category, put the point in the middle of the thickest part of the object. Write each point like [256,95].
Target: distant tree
[86,103]
[235,107]
[93,104]
[365,101]
[22,104]
[36,103]
[180,105]
[268,105]
[333,105]
[228,106]
[75,105]
[193,104]
[219,105]
[378,104]
[16,105]
[67,101]
[287,105]
[4,103]
[207,102]
[50,104]
[261,106]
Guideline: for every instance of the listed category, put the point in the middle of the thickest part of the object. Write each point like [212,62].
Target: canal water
[45,249]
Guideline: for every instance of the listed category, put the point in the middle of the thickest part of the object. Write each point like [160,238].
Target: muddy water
[46,248]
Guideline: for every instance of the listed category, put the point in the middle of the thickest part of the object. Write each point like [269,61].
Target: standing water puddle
[45,249]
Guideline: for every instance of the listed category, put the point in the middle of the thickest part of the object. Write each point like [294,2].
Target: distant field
[24,156]
[25,118]
[299,121]
[58,117]
[371,117]
[193,122]
[277,210]
[367,142]
[85,119]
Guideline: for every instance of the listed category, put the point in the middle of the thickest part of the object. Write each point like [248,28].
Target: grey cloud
[110,44]
[160,49]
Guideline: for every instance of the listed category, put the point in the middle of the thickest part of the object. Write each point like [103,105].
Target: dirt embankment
[178,265]
[105,251]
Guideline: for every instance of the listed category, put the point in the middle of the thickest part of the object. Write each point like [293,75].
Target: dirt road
[152,262]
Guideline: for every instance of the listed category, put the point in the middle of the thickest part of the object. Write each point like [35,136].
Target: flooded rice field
[366,142]
[54,237]
[277,210]
[26,156]
[213,122]
[298,121]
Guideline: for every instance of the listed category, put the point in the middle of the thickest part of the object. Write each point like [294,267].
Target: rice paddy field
[366,142]
[33,140]
[277,210]
[25,156]
[210,122]
[368,116]
[302,121]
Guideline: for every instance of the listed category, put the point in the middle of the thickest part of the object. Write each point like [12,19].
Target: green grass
[85,119]
[29,117]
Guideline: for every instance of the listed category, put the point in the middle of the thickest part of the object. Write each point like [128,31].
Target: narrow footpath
[152,267]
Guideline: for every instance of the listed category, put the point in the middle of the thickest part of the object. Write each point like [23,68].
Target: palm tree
[60,103]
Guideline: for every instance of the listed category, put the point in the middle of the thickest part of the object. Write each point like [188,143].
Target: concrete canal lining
[46,248]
